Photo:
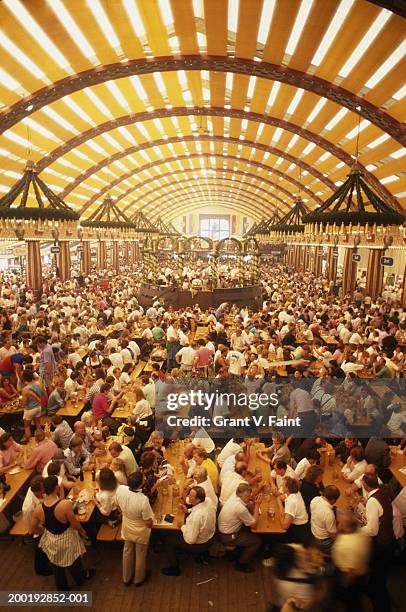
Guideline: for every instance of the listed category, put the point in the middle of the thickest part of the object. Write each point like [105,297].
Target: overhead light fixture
[378,141]
[40,129]
[336,119]
[364,123]
[332,31]
[232,15]
[320,104]
[365,42]
[397,154]
[295,101]
[251,86]
[59,120]
[7,81]
[273,93]
[22,58]
[298,26]
[309,148]
[277,134]
[325,156]
[398,95]
[104,24]
[292,141]
[387,66]
[134,17]
[73,30]
[389,179]
[31,26]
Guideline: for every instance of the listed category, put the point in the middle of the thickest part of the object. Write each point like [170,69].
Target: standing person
[203,358]
[47,366]
[60,530]
[31,401]
[323,520]
[33,497]
[136,529]
[379,526]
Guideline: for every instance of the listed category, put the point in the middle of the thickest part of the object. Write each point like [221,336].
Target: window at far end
[215,227]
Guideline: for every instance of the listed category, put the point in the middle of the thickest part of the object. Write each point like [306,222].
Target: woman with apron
[136,529]
[61,531]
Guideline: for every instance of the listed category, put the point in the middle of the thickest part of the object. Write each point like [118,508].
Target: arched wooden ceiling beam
[254,202]
[218,179]
[201,204]
[176,202]
[217,112]
[194,139]
[213,63]
[234,158]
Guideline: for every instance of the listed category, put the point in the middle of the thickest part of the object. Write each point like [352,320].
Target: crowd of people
[81,341]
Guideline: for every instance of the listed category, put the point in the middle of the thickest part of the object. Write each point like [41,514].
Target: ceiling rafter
[177,200]
[234,158]
[248,67]
[195,139]
[229,187]
[217,112]
[218,178]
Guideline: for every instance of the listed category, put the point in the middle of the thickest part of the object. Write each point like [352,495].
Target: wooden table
[148,367]
[71,408]
[329,339]
[398,461]
[80,486]
[11,407]
[201,332]
[168,504]
[16,482]
[265,524]
[125,409]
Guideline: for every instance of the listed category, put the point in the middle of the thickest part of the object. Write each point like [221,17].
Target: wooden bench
[19,529]
[107,533]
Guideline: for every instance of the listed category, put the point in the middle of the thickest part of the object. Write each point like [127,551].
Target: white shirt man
[202,439]
[236,361]
[295,507]
[134,506]
[207,485]
[323,520]
[301,468]
[230,449]
[353,471]
[229,485]
[301,401]
[186,357]
[200,525]
[234,514]
[116,360]
[290,472]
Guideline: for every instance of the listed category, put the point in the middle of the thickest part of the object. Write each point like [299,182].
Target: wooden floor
[226,591]
[222,589]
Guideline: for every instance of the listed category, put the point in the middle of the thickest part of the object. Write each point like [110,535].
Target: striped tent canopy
[108,216]
[355,203]
[31,199]
[292,222]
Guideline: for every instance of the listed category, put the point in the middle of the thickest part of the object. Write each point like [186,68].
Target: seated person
[10,452]
[42,453]
[57,398]
[62,433]
[195,535]
[77,458]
